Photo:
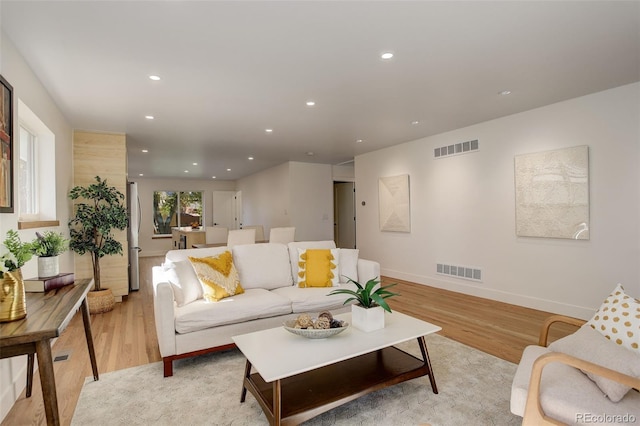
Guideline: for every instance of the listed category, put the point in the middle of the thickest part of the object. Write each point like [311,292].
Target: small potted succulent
[367,314]
[47,247]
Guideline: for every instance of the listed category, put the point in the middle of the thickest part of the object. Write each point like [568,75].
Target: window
[27,187]
[36,183]
[176,208]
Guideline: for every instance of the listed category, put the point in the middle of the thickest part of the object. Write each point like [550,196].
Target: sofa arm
[533,413]
[163,309]
[367,270]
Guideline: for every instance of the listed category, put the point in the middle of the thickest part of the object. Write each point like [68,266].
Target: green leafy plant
[369,295]
[91,230]
[49,244]
[18,253]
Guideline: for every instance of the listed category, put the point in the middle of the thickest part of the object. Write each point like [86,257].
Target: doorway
[344,213]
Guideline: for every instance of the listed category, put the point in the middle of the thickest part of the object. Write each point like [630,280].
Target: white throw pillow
[184,281]
[263,265]
[589,345]
[348,264]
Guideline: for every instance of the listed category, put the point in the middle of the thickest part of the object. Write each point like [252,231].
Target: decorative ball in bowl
[314,333]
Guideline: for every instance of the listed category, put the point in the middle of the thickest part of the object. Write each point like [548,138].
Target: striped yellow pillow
[218,276]
[318,267]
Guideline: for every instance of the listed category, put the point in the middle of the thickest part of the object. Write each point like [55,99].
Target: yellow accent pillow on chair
[218,276]
[318,267]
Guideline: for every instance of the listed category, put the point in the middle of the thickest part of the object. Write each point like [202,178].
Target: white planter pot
[48,266]
[367,319]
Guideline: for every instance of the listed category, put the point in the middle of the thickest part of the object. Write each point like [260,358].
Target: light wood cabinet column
[104,155]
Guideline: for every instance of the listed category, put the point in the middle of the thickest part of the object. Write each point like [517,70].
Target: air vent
[456,149]
[463,272]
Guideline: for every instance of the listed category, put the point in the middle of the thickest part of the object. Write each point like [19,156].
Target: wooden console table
[48,314]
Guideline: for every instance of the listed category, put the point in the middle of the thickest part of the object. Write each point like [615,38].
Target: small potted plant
[13,304]
[47,247]
[367,314]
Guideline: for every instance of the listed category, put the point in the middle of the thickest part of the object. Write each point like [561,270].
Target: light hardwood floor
[126,337]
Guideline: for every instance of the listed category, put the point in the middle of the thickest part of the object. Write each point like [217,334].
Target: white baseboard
[498,295]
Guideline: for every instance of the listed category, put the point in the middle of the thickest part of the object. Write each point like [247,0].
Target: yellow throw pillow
[618,319]
[318,267]
[218,276]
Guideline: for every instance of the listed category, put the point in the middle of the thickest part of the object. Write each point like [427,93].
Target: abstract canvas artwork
[552,194]
[393,202]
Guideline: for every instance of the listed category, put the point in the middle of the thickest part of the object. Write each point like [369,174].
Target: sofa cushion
[294,246]
[348,264]
[218,276]
[318,267]
[566,393]
[313,299]
[618,319]
[589,345]
[252,304]
[184,281]
[263,265]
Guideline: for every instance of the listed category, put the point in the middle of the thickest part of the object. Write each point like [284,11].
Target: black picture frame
[6,147]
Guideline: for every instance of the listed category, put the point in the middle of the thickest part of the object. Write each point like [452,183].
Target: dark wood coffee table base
[301,397]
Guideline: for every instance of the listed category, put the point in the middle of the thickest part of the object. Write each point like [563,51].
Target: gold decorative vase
[13,304]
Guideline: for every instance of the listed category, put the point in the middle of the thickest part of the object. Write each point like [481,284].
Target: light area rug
[474,389]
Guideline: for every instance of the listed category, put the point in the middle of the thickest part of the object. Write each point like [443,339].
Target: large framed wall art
[552,194]
[393,203]
[6,147]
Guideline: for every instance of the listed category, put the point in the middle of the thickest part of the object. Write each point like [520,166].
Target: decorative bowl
[313,333]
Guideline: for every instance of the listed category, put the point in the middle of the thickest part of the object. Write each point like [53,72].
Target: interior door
[345,214]
[224,208]
[238,212]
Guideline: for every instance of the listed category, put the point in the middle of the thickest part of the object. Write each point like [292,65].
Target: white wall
[159,246]
[463,207]
[28,88]
[291,194]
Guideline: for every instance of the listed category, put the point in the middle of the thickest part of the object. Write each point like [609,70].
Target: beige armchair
[552,388]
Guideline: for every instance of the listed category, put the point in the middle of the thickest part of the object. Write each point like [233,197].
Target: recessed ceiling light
[250,158]
[310,153]
[414,122]
[145,150]
[311,103]
[149,117]
[213,177]
[228,170]
[359,141]
[140,174]
[505,92]
[154,77]
[186,171]
[268,130]
[195,164]
[386,55]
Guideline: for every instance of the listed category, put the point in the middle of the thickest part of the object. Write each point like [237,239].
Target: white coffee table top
[276,354]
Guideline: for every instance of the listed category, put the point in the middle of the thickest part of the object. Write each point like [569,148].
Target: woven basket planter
[100,301]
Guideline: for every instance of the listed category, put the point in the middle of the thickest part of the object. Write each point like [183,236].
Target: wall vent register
[456,149]
[464,272]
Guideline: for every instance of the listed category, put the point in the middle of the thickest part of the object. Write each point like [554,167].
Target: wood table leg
[247,374]
[427,360]
[86,319]
[30,367]
[277,403]
[48,382]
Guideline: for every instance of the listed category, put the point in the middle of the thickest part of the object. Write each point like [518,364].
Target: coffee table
[297,378]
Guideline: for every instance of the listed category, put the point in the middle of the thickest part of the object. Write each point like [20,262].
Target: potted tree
[367,314]
[47,247]
[91,232]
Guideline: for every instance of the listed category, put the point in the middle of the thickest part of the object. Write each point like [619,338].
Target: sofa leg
[168,366]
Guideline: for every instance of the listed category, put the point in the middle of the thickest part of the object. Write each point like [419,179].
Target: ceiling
[230,70]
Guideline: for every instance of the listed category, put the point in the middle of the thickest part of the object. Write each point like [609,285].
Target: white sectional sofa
[188,325]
